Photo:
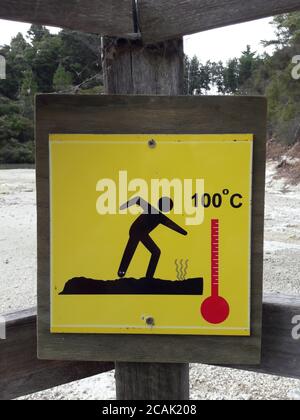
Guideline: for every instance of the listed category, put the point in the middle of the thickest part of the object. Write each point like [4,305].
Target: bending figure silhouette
[142,227]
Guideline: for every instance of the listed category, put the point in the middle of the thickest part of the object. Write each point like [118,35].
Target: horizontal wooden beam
[158,20]
[21,373]
[280,350]
[113,17]
[166,19]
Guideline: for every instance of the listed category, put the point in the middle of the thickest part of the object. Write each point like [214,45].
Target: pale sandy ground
[18,286]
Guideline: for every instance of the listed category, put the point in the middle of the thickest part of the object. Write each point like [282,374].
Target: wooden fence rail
[164,19]
[21,373]
[113,17]
[280,351]
[157,20]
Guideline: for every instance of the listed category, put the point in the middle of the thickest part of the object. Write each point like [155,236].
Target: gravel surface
[17,240]
[281,275]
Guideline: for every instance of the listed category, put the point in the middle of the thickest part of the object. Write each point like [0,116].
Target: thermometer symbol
[215,309]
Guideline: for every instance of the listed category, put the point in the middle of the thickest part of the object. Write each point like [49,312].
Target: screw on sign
[215,309]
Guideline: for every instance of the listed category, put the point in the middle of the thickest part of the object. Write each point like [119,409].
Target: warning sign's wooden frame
[162,115]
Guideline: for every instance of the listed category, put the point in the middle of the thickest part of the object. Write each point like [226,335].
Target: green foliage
[231,76]
[217,76]
[42,63]
[269,75]
[197,77]
[273,77]
[287,30]
[71,62]
[62,79]
[80,55]
[15,152]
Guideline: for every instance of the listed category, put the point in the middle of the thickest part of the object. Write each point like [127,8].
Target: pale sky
[9,29]
[214,45]
[225,43]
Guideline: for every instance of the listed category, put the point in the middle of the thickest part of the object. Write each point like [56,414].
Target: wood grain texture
[142,114]
[158,20]
[165,19]
[113,17]
[21,373]
[130,67]
[280,351]
[152,381]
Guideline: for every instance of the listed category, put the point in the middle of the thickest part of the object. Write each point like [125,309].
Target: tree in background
[197,77]
[42,63]
[81,56]
[274,77]
[62,80]
[247,65]
[70,62]
[231,76]
[269,75]
[217,72]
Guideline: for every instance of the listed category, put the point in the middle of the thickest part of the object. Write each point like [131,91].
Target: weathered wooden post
[130,67]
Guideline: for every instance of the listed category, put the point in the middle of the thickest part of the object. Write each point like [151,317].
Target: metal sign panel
[151,234]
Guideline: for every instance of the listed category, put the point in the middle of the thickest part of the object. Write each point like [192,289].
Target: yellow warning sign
[151,234]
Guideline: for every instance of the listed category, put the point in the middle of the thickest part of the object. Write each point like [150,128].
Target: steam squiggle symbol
[181,269]
[177,269]
[185,270]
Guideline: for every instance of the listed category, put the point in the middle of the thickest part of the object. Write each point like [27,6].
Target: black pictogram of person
[140,231]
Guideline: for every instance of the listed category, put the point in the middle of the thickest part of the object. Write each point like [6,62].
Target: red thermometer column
[215,309]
